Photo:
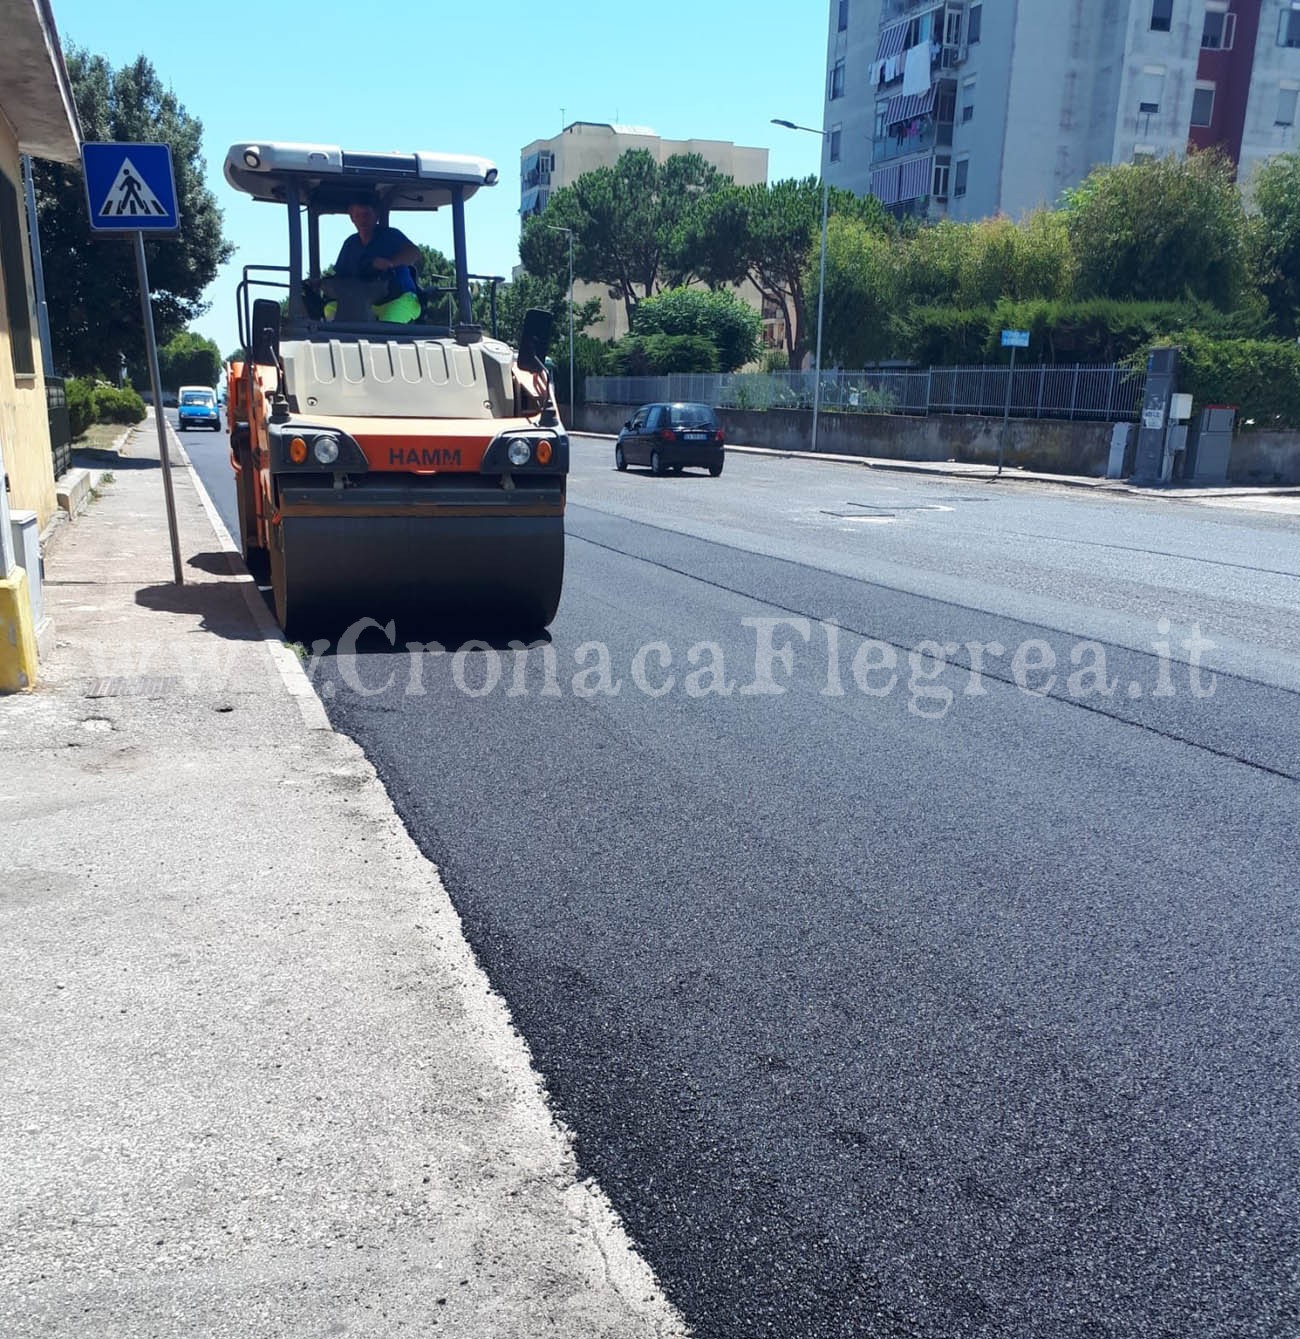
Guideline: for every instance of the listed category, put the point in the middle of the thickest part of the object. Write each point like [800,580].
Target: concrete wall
[1057,447]
[24,421]
[1265,458]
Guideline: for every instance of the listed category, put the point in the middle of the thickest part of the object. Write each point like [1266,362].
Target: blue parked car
[197,408]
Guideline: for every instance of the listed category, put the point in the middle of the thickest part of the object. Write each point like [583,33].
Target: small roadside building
[37,119]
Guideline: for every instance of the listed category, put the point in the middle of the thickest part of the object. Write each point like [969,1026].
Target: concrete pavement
[255,1082]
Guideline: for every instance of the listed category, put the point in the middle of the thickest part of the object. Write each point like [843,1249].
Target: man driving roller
[376,249]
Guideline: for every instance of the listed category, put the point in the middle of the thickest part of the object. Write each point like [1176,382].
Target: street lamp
[554,227]
[821,283]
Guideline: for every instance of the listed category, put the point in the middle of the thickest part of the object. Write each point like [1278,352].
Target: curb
[292,674]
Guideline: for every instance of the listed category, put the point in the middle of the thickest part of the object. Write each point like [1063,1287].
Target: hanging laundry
[916,69]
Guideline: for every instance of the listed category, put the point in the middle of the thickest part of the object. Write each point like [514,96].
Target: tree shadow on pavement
[94,458]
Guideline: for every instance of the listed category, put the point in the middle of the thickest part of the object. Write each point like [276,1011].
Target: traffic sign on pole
[130,191]
[130,188]
[1015,339]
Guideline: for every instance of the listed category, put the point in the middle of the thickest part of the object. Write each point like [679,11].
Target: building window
[1220,29]
[844,15]
[1286,101]
[959,178]
[1144,153]
[1288,27]
[968,100]
[1162,15]
[1203,105]
[1151,89]
[882,120]
[837,80]
[974,21]
[15,281]
[941,174]
[835,145]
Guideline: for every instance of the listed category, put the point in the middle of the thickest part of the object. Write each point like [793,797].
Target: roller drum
[497,573]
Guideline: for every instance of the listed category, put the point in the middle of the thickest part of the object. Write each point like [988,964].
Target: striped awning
[914,178]
[884,184]
[908,106]
[892,39]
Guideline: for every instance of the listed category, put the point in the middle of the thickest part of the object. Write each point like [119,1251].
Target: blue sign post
[131,190]
[1013,340]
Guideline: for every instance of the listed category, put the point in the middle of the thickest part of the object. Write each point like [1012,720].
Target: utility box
[1209,447]
[1120,463]
[1162,380]
[24,527]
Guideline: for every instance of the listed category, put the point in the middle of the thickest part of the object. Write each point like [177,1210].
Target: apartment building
[548,164]
[966,108]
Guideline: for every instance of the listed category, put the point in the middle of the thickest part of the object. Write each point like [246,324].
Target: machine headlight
[326,450]
[519,452]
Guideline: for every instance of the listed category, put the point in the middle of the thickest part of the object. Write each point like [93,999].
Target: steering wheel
[355,297]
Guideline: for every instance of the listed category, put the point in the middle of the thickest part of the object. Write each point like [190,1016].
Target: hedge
[94,401]
[118,406]
[658,355]
[1097,331]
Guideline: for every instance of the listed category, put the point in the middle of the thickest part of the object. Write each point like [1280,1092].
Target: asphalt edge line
[292,674]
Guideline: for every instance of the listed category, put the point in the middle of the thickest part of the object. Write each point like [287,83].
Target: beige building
[547,164]
[37,118]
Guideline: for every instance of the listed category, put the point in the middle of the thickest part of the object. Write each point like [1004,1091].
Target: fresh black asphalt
[891,1014]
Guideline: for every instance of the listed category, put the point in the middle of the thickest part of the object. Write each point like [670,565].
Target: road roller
[389,468]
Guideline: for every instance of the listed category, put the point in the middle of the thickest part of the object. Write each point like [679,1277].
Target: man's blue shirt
[385,244]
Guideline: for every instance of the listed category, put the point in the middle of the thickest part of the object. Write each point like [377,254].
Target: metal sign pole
[155,384]
[1006,416]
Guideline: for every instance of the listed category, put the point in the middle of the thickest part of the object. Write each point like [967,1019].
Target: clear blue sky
[480,79]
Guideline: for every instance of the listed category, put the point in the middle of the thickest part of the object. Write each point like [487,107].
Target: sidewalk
[254,1082]
[952,469]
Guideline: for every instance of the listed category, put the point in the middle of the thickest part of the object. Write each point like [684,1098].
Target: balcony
[894,146]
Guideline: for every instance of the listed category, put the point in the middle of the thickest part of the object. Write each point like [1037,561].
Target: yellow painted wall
[24,425]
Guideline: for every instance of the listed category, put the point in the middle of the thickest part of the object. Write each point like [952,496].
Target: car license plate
[695,436]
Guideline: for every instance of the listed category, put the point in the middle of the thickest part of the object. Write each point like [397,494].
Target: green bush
[117,406]
[81,404]
[1097,331]
[731,325]
[1260,377]
[658,355]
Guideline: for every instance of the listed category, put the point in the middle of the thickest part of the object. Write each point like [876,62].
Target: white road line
[285,660]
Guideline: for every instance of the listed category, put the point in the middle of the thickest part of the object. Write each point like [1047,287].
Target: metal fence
[1109,393]
[56,407]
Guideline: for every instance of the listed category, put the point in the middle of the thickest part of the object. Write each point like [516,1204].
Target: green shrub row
[658,355]
[94,401]
[1097,331]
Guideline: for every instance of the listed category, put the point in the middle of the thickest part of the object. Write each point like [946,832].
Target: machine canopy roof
[327,177]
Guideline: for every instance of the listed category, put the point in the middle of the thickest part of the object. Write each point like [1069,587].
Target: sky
[486,80]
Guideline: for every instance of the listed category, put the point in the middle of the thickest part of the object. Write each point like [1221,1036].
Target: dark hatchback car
[670,437]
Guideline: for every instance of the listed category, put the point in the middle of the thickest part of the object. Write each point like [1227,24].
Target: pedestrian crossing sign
[130,188]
